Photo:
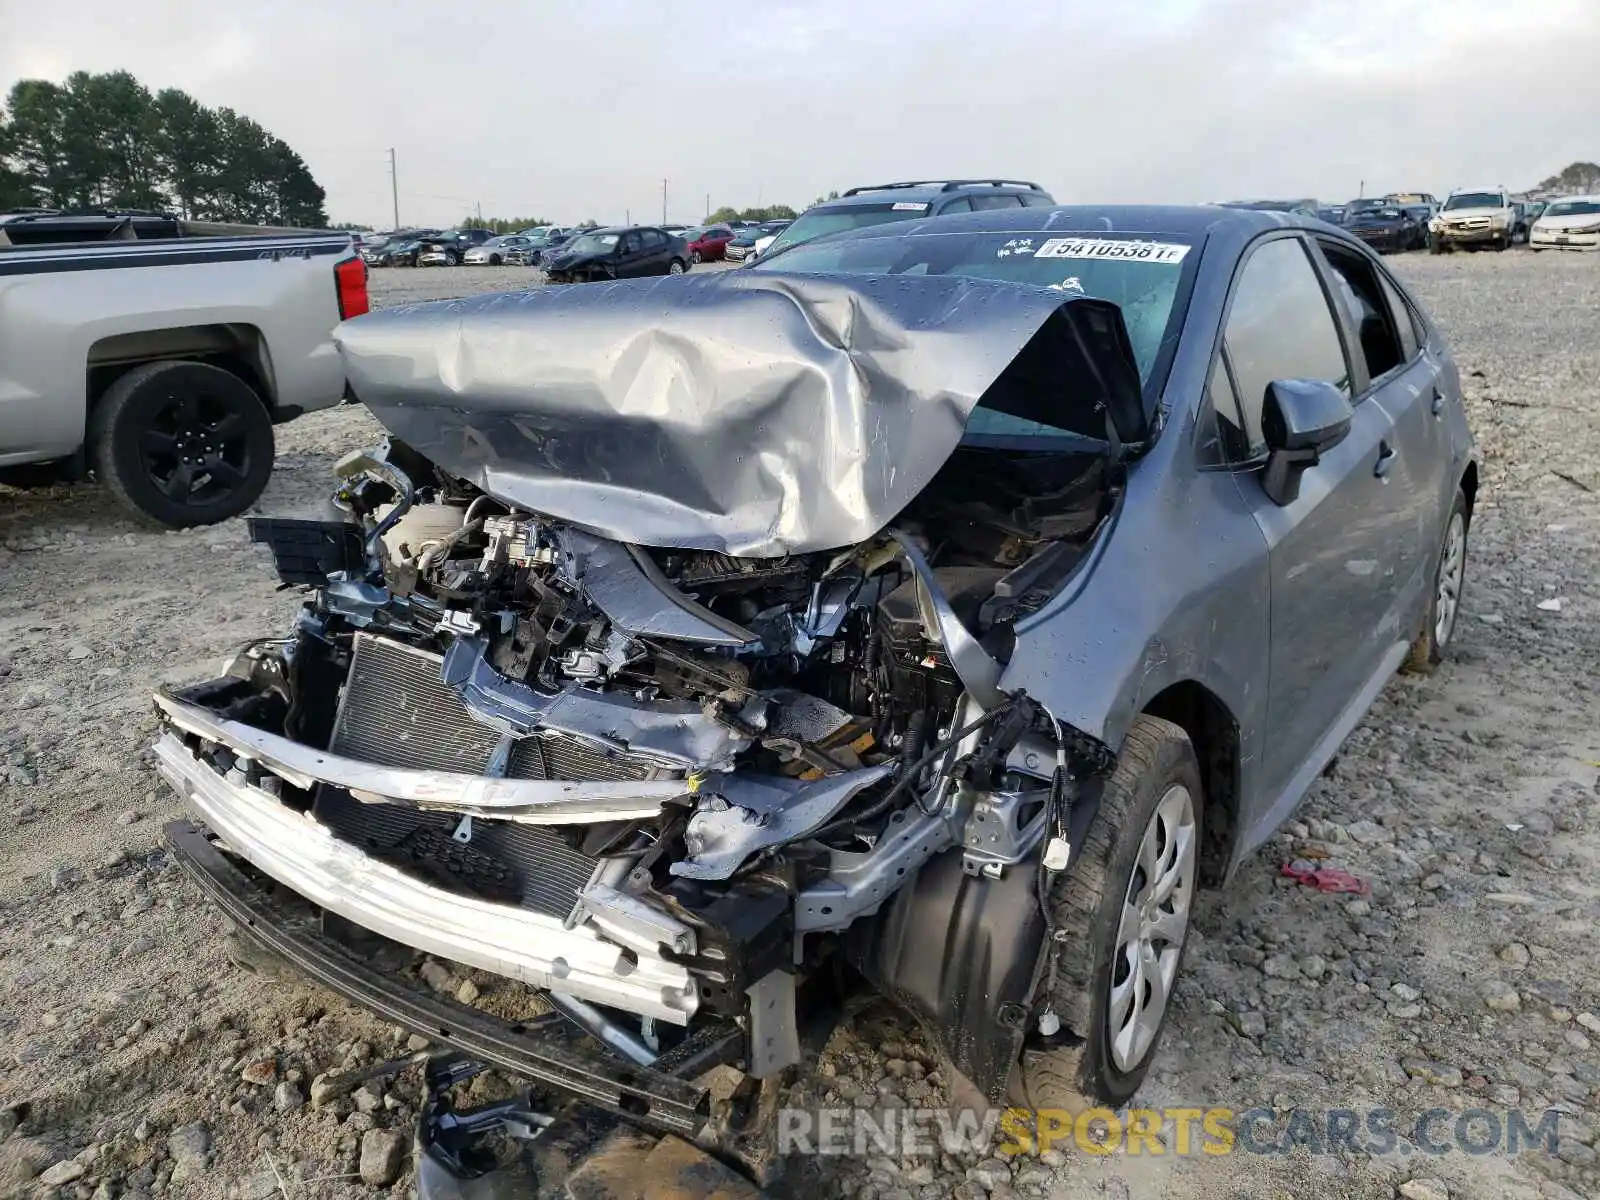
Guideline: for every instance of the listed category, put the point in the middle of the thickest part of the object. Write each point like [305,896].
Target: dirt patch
[153,1064]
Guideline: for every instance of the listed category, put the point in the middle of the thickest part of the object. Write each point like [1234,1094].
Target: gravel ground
[151,1064]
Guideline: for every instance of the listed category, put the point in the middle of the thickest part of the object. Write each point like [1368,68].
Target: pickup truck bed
[161,363]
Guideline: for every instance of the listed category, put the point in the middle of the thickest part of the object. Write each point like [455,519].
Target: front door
[1327,556]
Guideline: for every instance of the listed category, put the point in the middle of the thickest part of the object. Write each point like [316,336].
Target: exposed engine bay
[709,766]
[657,664]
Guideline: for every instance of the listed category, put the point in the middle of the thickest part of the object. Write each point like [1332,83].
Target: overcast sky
[576,110]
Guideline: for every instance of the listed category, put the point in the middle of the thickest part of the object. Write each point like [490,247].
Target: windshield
[1573,208]
[593,243]
[1140,274]
[1475,200]
[820,221]
[1380,214]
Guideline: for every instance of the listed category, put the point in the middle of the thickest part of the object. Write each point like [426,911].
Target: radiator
[395,710]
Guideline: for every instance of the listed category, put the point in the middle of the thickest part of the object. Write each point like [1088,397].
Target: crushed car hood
[749,414]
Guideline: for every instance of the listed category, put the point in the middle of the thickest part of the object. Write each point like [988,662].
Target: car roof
[925,191]
[1193,221]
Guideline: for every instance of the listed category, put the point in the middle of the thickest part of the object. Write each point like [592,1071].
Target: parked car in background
[743,247]
[540,244]
[709,244]
[884,203]
[379,249]
[1474,218]
[1571,223]
[447,249]
[1388,228]
[404,249]
[497,250]
[1305,207]
[623,252]
[1333,214]
[158,353]
[1364,204]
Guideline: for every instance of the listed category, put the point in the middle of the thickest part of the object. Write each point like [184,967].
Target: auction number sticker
[909,206]
[1095,247]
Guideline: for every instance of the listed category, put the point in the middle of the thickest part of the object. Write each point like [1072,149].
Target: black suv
[884,202]
[448,248]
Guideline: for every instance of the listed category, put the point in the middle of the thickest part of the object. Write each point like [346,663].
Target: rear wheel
[182,443]
[1125,904]
[675,267]
[1449,576]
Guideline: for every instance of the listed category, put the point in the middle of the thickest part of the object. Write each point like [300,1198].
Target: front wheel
[494,260]
[675,267]
[1444,607]
[695,257]
[182,443]
[1124,905]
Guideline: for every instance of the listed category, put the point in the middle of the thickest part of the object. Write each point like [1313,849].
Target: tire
[676,267]
[695,257]
[494,260]
[1502,243]
[1156,781]
[182,443]
[1444,604]
[452,259]
[1438,247]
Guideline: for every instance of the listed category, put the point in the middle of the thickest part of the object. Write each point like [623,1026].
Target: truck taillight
[350,278]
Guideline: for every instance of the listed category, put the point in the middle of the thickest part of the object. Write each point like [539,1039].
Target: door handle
[1386,457]
[1438,401]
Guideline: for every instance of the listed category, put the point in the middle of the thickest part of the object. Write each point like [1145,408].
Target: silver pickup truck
[157,354]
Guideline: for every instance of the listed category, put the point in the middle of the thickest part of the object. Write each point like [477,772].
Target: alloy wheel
[1150,934]
[1452,573]
[195,450]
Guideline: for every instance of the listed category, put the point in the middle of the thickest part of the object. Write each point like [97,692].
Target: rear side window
[1356,285]
[1037,200]
[1280,327]
[1405,320]
[960,204]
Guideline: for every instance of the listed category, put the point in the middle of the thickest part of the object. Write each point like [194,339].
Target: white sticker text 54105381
[1114,248]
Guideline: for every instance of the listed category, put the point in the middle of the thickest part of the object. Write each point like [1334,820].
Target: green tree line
[770,212]
[107,141]
[502,224]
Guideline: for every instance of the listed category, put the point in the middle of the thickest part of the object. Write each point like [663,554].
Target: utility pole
[663,201]
[708,206]
[627,216]
[480,212]
[394,187]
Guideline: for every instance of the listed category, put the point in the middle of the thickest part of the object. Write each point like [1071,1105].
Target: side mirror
[1301,420]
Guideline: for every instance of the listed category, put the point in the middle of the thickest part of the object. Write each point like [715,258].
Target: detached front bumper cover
[306,857]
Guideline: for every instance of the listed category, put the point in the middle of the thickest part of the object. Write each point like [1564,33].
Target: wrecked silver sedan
[927,607]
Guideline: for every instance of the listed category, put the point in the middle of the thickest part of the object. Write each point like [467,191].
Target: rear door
[1407,385]
[630,254]
[1326,549]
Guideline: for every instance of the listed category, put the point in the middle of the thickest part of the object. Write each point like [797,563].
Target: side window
[1037,200]
[1280,327]
[629,243]
[1356,284]
[1405,320]
[960,204]
[982,203]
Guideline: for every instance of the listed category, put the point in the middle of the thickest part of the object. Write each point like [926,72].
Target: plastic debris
[1326,879]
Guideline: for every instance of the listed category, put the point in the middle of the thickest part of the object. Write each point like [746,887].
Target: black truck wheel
[182,443]
[1125,904]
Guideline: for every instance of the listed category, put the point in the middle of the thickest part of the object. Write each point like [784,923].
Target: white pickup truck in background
[158,353]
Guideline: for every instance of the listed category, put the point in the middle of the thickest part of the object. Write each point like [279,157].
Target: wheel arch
[237,348]
[1469,488]
[1213,731]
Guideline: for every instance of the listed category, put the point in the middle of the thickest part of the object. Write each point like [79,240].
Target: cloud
[571,110]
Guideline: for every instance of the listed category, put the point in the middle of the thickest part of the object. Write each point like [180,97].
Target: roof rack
[945,185]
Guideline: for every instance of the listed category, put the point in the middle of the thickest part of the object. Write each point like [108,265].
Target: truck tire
[1125,905]
[182,443]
